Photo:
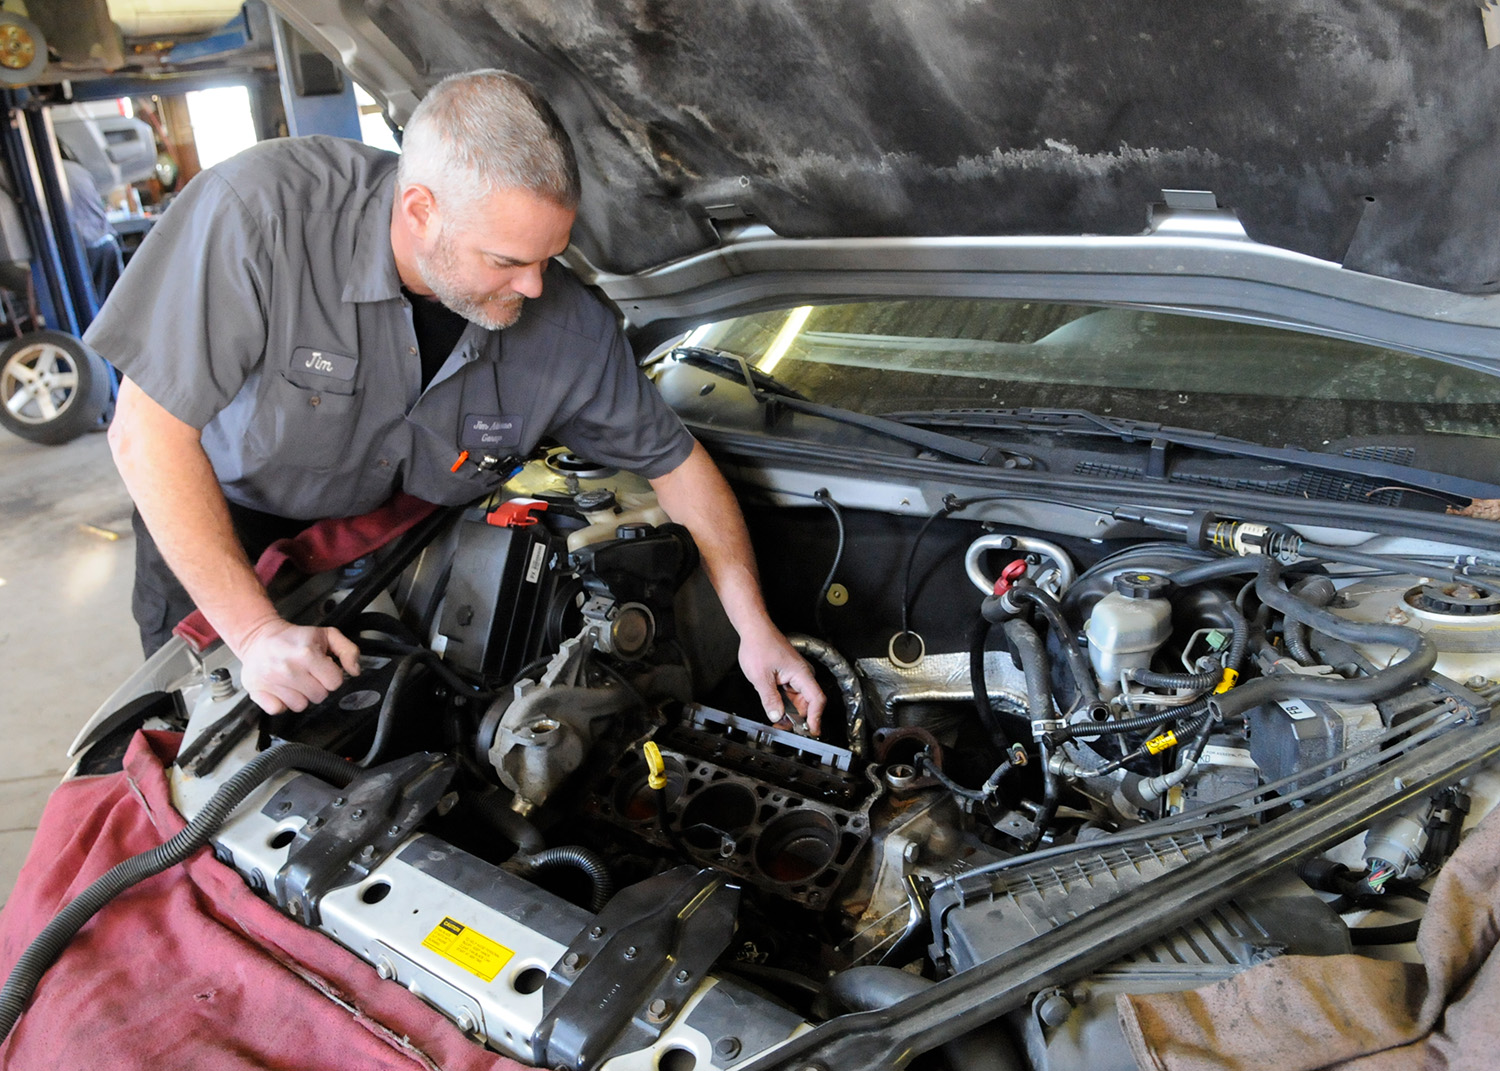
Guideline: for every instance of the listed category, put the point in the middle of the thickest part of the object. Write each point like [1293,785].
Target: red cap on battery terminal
[516,513]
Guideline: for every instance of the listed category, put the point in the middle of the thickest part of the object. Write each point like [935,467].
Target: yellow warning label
[471,950]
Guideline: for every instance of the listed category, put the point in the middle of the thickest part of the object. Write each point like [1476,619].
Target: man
[95,235]
[283,361]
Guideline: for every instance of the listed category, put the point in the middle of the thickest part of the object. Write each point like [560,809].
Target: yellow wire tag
[1156,745]
[656,767]
[1231,678]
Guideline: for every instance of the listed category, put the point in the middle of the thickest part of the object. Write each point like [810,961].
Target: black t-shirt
[438,330]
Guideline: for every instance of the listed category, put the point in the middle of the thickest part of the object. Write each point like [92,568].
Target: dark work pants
[159,601]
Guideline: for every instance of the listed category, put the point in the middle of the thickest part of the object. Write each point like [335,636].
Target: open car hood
[1360,132]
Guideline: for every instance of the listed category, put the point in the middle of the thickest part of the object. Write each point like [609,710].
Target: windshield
[1260,383]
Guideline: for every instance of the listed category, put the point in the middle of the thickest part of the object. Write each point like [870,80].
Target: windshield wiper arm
[1083,422]
[768,392]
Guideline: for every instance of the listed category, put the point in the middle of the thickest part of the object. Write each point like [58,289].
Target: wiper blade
[1083,422]
[768,392]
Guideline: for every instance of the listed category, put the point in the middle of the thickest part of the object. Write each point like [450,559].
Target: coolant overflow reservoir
[1127,626]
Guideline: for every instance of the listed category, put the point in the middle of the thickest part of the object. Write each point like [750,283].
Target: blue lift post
[317,96]
[65,295]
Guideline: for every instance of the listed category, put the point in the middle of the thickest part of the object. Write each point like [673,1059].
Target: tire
[52,387]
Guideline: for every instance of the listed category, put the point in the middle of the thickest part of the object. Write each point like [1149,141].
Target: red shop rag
[323,545]
[190,969]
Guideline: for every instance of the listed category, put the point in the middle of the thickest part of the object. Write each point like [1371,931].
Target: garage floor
[66,636]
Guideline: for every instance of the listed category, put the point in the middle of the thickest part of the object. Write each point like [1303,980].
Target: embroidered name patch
[483,431]
[307,361]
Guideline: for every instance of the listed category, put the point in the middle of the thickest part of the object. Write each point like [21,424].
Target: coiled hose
[1379,685]
[49,944]
[567,855]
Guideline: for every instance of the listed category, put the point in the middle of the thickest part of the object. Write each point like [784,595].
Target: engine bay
[569,826]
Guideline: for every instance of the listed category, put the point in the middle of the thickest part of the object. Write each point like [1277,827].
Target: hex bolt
[728,1048]
[657,1010]
[314,822]
[220,684]
[284,806]
[393,830]
[357,813]
[466,1022]
[682,976]
[597,932]
[912,852]
[630,952]
[385,968]
[339,801]
[571,961]
[367,853]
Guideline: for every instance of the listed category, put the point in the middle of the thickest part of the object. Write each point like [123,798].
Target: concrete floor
[66,636]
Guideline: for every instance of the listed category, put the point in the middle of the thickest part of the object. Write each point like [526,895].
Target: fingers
[288,667]
[344,649]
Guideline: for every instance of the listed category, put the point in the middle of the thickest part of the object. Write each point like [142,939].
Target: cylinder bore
[635,800]
[796,846]
[718,812]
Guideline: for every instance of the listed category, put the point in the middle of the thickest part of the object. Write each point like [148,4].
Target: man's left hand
[780,675]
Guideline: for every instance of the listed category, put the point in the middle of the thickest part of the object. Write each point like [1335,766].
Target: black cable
[49,944]
[1397,934]
[822,496]
[950,506]
[385,718]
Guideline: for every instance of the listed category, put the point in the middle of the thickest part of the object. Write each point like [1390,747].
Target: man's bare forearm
[162,462]
[696,496]
[161,459]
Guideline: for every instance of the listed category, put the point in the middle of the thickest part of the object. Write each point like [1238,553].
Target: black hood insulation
[1360,131]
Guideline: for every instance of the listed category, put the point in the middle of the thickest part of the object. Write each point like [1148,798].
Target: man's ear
[419,210]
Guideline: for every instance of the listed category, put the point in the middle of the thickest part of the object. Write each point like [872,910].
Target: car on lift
[1110,391]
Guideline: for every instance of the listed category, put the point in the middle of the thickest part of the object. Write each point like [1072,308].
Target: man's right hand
[287,667]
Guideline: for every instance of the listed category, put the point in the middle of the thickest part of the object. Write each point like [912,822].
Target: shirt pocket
[306,428]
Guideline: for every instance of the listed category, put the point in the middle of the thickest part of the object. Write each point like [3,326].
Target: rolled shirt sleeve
[186,321]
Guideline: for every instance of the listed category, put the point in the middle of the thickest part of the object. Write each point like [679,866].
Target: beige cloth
[1300,1013]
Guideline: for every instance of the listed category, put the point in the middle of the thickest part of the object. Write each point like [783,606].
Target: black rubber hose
[49,944]
[510,825]
[979,634]
[385,719]
[1082,673]
[987,1048]
[1051,794]
[1398,934]
[1379,685]
[1032,654]
[1317,591]
[1214,570]
[569,855]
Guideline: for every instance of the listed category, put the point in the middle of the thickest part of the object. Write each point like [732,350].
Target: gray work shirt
[265,308]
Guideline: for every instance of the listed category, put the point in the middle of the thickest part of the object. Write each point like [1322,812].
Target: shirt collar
[373,275]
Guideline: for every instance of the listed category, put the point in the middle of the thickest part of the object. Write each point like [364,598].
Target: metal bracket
[626,977]
[356,831]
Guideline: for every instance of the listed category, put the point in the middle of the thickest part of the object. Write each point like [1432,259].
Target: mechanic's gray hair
[483,131]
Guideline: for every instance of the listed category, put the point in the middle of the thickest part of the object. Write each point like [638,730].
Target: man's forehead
[519,225]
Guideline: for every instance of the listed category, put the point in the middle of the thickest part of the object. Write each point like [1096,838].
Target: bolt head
[630,952]
[728,1048]
[571,961]
[682,976]
[596,932]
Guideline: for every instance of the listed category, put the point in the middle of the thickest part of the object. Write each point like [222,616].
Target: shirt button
[385,464]
[412,349]
[315,400]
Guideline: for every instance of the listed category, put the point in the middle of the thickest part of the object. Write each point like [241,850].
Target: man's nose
[528,281]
